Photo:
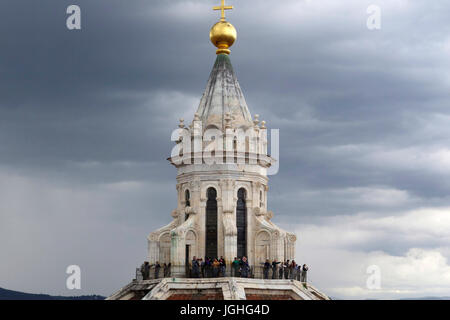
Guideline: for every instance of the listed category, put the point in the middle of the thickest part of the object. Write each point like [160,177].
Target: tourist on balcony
[216,268]
[298,272]
[223,266]
[245,267]
[208,267]
[286,269]
[145,270]
[274,268]
[235,267]
[165,270]
[169,271]
[157,268]
[266,269]
[304,273]
[292,270]
[202,267]
[195,268]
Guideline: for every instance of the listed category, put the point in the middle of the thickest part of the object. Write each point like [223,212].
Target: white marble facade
[228,163]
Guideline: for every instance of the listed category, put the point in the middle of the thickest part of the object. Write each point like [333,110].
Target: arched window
[211,224]
[241,223]
[187,200]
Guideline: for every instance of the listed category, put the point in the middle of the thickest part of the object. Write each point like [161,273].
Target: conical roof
[223,95]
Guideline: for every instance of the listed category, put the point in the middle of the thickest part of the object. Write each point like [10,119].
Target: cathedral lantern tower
[222,163]
[222,184]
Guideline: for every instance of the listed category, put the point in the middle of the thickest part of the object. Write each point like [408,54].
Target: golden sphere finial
[223,35]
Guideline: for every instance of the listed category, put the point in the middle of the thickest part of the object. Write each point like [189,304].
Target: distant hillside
[16,295]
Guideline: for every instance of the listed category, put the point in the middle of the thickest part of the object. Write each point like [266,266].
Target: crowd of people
[146,267]
[217,267]
[213,268]
[285,270]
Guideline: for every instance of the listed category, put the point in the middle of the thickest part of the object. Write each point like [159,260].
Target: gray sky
[364,119]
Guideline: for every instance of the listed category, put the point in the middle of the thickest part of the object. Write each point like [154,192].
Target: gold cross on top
[223,8]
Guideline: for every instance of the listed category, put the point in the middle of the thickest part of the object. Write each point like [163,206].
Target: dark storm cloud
[363,115]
